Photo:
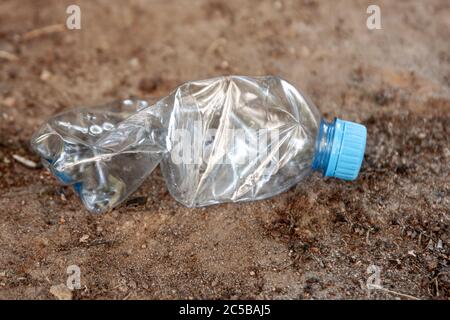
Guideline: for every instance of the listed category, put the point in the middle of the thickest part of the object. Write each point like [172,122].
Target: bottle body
[225,139]
[238,139]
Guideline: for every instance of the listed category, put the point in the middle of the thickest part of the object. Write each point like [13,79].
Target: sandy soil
[314,241]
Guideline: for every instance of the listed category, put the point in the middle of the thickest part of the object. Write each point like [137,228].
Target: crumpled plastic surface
[225,139]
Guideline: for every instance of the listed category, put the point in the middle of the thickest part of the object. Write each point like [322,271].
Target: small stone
[9,102]
[252,273]
[431,262]
[44,241]
[144,246]
[45,75]
[439,245]
[132,284]
[84,238]
[8,56]
[224,64]
[278,5]
[430,245]
[61,292]
[134,62]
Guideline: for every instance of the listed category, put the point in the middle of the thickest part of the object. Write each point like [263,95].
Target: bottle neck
[323,146]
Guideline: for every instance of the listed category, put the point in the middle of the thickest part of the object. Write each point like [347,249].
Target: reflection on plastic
[225,139]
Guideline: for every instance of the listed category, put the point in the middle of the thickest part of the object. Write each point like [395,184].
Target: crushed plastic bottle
[225,139]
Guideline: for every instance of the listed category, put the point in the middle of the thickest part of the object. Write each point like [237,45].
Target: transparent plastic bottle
[225,139]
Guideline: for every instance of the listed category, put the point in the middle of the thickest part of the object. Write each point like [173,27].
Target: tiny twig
[437,286]
[127,296]
[98,242]
[367,236]
[395,292]
[36,33]
[24,161]
[21,192]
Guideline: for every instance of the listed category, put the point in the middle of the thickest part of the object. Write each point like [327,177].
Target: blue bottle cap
[347,150]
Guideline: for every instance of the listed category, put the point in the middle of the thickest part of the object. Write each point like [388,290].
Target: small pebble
[45,75]
[61,292]
[84,238]
[132,284]
[9,102]
[439,244]
[224,64]
[134,62]
[278,5]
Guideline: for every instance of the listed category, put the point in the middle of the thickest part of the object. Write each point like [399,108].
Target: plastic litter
[225,139]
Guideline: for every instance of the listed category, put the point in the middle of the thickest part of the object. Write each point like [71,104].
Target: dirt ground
[316,240]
